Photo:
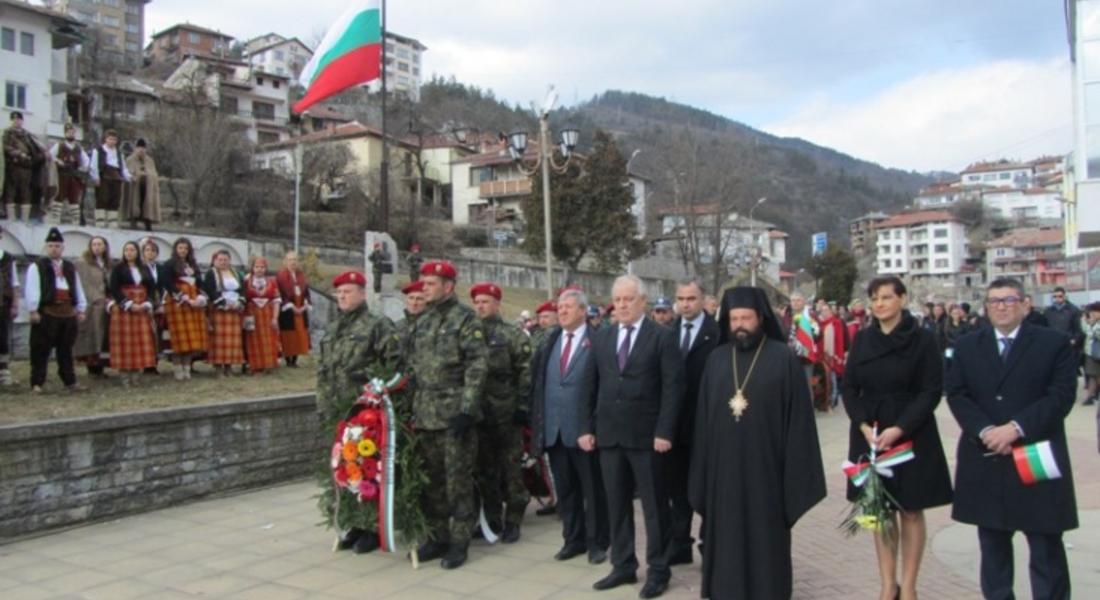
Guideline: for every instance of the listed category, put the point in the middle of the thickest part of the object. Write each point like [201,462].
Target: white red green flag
[350,54]
[882,463]
[1035,463]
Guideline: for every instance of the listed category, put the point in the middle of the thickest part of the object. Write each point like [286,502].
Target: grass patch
[107,396]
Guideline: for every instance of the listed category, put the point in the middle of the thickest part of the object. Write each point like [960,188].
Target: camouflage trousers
[499,472]
[449,502]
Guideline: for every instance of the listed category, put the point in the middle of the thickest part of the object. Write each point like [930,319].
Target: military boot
[455,557]
[431,550]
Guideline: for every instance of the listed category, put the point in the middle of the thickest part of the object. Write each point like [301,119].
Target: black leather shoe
[455,557]
[348,539]
[569,551]
[510,535]
[368,542]
[653,588]
[680,557]
[431,551]
[597,557]
[615,579]
[546,511]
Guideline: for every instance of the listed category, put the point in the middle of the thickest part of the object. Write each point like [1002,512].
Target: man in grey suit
[639,384]
[563,372]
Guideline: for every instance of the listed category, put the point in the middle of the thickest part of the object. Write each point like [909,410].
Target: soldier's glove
[521,418]
[460,423]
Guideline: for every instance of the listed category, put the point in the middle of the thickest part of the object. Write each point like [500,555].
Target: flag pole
[384,188]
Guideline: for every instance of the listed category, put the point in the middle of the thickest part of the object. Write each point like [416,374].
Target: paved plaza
[267,545]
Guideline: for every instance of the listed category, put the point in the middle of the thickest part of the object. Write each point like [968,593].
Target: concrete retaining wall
[60,473]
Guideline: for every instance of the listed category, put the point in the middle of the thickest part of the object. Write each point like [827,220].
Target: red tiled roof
[345,131]
[324,112]
[1000,165]
[915,218]
[190,27]
[775,233]
[1029,237]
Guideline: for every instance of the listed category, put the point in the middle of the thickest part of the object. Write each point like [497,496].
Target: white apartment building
[1031,204]
[1000,173]
[1082,177]
[34,54]
[403,65]
[930,245]
[121,25]
[281,56]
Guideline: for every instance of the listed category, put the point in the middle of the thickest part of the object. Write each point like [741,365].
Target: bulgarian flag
[1035,463]
[882,463]
[803,325]
[350,54]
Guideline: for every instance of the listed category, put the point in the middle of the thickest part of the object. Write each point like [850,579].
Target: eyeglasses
[1008,301]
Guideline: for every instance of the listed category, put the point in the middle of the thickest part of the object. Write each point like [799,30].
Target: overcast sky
[928,84]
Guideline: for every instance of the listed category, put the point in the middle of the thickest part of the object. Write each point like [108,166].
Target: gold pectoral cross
[738,405]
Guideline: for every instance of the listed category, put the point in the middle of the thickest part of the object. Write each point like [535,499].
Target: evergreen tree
[836,269]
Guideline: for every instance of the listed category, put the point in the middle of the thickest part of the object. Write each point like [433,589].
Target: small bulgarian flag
[1035,463]
[881,463]
[350,54]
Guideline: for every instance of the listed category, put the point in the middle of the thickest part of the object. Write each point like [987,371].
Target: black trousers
[5,333]
[1047,565]
[624,469]
[52,333]
[677,466]
[582,502]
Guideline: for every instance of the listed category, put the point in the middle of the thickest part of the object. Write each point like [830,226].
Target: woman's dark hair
[137,253]
[891,280]
[176,264]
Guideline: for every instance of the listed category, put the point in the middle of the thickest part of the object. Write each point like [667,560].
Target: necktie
[685,345]
[624,349]
[565,352]
[1007,342]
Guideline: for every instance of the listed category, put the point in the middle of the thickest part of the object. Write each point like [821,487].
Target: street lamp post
[517,145]
[756,250]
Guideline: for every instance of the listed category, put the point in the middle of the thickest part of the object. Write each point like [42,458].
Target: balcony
[504,189]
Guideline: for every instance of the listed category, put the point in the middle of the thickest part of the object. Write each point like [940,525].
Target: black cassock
[753,479]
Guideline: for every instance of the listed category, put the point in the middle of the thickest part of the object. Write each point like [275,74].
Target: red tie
[564,364]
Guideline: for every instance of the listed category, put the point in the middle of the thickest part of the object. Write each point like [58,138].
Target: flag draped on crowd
[350,54]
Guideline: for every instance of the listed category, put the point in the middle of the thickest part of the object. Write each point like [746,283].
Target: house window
[263,110]
[275,82]
[259,81]
[133,9]
[280,56]
[267,137]
[885,264]
[193,38]
[897,263]
[939,233]
[403,67]
[941,263]
[940,248]
[403,53]
[480,174]
[897,249]
[133,28]
[416,71]
[111,21]
[7,39]
[133,47]
[26,43]
[15,95]
[230,105]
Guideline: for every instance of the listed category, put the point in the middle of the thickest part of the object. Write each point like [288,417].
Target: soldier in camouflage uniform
[504,412]
[547,314]
[447,357]
[354,343]
[414,306]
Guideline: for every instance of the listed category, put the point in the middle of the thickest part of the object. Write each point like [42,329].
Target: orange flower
[351,451]
[355,474]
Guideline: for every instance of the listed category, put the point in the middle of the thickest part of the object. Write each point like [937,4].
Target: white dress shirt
[633,335]
[696,325]
[33,290]
[112,158]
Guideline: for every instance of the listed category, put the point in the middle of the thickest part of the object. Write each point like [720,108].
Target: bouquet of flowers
[874,509]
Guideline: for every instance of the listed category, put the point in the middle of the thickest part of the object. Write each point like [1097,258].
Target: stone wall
[66,472]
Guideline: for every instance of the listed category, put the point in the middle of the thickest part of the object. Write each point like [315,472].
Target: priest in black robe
[756,463]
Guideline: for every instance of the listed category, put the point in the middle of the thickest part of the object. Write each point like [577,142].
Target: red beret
[416,286]
[439,268]
[486,289]
[573,287]
[356,277]
[548,306]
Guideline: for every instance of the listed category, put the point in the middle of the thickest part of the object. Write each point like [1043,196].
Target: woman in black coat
[894,378]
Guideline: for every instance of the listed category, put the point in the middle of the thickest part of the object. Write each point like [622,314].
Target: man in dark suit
[639,384]
[563,372]
[1009,386]
[697,333]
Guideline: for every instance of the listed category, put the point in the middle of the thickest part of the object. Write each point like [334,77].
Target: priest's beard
[747,340]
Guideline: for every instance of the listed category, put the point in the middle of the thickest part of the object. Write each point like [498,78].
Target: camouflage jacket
[537,335]
[404,328]
[353,343]
[509,378]
[448,360]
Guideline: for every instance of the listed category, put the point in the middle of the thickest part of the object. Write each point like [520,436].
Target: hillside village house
[737,237]
[38,74]
[275,54]
[1033,255]
[175,44]
[929,246]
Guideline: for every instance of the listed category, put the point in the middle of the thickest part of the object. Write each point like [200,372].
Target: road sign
[819,242]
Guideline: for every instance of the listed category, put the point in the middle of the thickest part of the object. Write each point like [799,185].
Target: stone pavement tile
[620,593]
[99,558]
[15,555]
[134,566]
[176,575]
[562,574]
[120,589]
[421,593]
[8,582]
[514,590]
[184,552]
[217,586]
[32,573]
[230,560]
[112,533]
[464,582]
[153,542]
[492,564]
[382,583]
[27,592]
[312,555]
[70,581]
[271,591]
[314,579]
[269,569]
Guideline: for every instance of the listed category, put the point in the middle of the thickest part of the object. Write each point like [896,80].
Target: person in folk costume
[894,379]
[72,166]
[160,275]
[294,310]
[224,286]
[108,173]
[9,308]
[133,335]
[55,305]
[834,344]
[142,200]
[23,157]
[91,338]
[185,308]
[262,320]
[756,462]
